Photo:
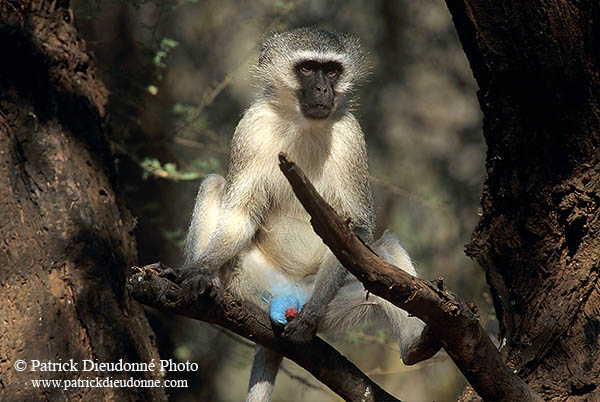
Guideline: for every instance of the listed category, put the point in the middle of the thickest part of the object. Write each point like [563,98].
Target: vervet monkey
[250,235]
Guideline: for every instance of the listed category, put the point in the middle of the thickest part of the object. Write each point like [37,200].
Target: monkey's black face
[317,87]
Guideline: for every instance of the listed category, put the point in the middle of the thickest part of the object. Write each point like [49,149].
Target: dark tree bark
[66,238]
[537,65]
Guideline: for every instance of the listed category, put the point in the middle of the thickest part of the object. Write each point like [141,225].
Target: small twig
[186,142]
[209,96]
[440,283]
[407,194]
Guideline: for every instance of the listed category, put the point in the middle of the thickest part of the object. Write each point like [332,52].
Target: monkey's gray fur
[250,234]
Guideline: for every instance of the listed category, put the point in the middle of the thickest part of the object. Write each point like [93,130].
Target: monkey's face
[317,87]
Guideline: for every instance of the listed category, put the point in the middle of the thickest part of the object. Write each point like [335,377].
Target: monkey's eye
[306,70]
[332,69]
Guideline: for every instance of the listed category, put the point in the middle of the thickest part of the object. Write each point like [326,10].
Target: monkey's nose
[321,89]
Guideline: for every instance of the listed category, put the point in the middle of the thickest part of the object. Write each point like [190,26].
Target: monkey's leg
[262,378]
[353,305]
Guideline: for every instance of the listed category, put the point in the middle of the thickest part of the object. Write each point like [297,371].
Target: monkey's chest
[286,237]
[291,245]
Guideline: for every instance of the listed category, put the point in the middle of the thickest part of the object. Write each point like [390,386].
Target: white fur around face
[281,53]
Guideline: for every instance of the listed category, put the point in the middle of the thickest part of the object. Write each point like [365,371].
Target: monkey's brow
[321,65]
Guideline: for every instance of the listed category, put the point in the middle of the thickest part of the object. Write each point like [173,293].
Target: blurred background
[178,73]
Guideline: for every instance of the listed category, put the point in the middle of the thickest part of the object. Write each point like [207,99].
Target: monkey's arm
[234,230]
[236,219]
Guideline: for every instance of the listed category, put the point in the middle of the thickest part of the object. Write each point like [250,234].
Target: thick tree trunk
[66,239]
[537,65]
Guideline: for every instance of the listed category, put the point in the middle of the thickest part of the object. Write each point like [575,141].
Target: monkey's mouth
[317,111]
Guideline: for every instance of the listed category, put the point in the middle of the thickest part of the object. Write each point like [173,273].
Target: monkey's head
[311,70]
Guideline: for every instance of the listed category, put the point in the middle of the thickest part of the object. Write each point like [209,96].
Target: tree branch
[151,286]
[450,319]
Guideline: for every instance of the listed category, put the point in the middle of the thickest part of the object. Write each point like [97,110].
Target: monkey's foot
[425,347]
[301,329]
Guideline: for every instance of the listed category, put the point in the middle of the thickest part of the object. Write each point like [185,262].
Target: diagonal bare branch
[448,317]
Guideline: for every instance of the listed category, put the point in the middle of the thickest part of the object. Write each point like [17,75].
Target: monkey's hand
[301,329]
[197,281]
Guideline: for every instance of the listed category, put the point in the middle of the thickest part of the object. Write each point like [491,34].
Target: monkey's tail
[262,378]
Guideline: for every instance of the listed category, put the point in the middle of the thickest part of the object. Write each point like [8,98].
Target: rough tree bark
[66,238]
[537,65]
